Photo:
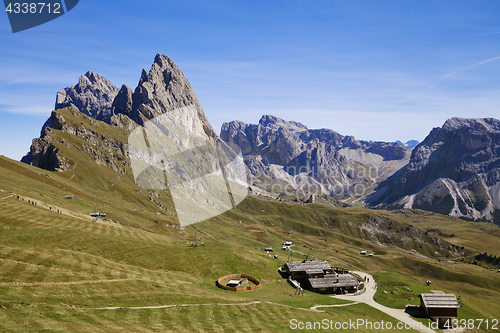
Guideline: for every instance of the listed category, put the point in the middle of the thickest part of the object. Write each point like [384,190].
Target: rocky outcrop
[27,158]
[455,170]
[98,146]
[122,103]
[93,96]
[57,121]
[123,121]
[44,154]
[322,160]
[163,89]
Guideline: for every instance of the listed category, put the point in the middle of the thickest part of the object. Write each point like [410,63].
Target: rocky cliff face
[320,161]
[43,153]
[163,89]
[122,104]
[93,96]
[455,170]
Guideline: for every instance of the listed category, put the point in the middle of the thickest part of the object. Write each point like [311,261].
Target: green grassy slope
[58,270]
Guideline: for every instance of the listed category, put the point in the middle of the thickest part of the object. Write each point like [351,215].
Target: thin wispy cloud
[447,76]
[20,104]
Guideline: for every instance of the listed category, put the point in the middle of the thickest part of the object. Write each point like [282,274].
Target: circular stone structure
[233,276]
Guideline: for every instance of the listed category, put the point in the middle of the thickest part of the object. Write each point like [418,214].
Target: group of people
[34,203]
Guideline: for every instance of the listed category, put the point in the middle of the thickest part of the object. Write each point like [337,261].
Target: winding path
[367,298]
[173,306]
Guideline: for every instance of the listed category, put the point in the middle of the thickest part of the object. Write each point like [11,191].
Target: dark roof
[439,300]
[310,266]
[337,281]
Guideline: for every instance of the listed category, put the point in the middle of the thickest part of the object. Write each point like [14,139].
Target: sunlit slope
[57,270]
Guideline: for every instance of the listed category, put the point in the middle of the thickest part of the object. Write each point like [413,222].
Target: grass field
[58,272]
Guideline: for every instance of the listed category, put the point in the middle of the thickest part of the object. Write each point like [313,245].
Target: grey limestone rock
[45,155]
[122,103]
[123,121]
[165,88]
[455,171]
[93,96]
[322,160]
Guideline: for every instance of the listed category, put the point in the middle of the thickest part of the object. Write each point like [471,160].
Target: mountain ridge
[455,170]
[317,161]
[408,144]
[162,89]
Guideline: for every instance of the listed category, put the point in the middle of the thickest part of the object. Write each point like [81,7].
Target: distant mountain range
[408,144]
[287,157]
[455,170]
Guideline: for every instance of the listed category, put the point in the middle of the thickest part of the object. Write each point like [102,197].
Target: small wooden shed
[440,307]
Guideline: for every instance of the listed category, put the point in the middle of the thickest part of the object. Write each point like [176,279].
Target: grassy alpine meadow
[137,270]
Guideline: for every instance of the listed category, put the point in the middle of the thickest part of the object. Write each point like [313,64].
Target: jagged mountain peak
[162,89]
[163,61]
[455,170]
[122,103]
[318,160]
[269,120]
[93,96]
[92,77]
[408,144]
[477,124]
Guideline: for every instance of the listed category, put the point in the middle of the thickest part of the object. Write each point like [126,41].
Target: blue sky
[378,70]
